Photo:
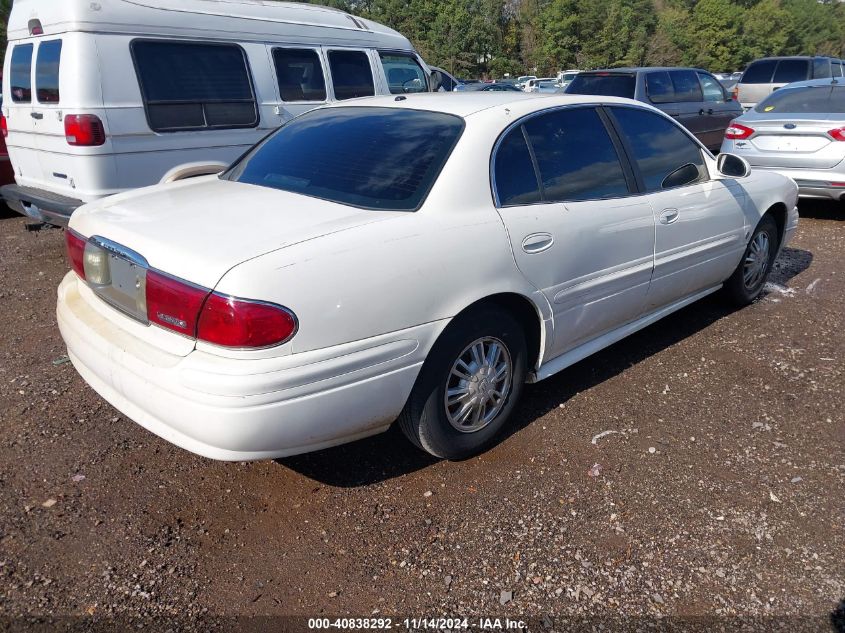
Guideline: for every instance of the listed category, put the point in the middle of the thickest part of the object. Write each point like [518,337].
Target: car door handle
[36,115]
[537,243]
[702,112]
[669,216]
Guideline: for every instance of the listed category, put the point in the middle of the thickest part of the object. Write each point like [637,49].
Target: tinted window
[351,74]
[658,145]
[686,85]
[822,68]
[790,70]
[575,156]
[300,74]
[712,88]
[759,72]
[659,86]
[22,73]
[604,84]
[404,74]
[47,71]
[375,158]
[194,86]
[516,180]
[816,99]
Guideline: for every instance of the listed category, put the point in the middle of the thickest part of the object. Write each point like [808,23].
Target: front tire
[469,385]
[747,282]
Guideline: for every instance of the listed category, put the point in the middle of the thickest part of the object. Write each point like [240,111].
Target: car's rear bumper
[814,183]
[40,205]
[237,410]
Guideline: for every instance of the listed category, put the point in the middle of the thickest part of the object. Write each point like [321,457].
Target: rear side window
[759,72]
[712,88]
[805,100]
[686,85]
[372,158]
[352,76]
[300,74]
[604,84]
[191,86]
[47,71]
[575,156]
[659,86]
[790,70]
[516,180]
[21,80]
[658,145]
[823,68]
[404,74]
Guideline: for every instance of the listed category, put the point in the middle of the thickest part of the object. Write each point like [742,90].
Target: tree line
[490,38]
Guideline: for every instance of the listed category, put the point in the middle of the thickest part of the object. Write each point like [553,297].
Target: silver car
[798,131]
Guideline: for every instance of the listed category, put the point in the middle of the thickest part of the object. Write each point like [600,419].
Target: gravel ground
[716,500]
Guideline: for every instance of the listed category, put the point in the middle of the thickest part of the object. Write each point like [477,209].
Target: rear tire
[747,282]
[481,361]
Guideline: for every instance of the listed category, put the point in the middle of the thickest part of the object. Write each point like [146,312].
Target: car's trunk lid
[796,141]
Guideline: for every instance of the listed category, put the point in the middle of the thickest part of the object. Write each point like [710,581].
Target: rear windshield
[21,79]
[790,70]
[373,158]
[47,71]
[608,85]
[809,99]
[759,72]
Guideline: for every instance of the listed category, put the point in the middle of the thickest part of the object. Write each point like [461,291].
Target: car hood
[201,228]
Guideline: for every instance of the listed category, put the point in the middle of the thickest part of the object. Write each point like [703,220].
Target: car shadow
[822,210]
[390,455]
[837,618]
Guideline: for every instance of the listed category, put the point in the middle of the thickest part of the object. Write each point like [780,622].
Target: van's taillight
[84,130]
[838,134]
[174,304]
[75,247]
[4,125]
[239,323]
[737,131]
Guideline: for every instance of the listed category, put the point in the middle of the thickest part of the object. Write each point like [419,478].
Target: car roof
[465,104]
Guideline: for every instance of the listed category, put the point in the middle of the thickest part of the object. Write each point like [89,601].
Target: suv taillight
[838,134]
[735,93]
[4,125]
[737,131]
[84,130]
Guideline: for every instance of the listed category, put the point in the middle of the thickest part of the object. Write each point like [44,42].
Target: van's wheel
[747,282]
[469,385]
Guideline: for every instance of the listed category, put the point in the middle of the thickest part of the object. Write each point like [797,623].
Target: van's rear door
[17,106]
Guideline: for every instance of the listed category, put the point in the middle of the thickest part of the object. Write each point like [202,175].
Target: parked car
[418,259]
[565,78]
[764,76]
[692,96]
[549,86]
[533,85]
[524,79]
[496,87]
[798,131]
[444,81]
[107,96]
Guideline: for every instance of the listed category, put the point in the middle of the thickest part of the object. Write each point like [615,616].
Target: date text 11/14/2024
[417,624]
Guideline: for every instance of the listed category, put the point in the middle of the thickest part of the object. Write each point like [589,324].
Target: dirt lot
[720,493]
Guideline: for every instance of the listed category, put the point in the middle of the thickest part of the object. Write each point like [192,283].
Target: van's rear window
[368,157]
[47,71]
[21,80]
[603,84]
[805,100]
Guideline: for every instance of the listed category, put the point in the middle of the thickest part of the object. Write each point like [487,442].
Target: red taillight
[4,125]
[238,323]
[735,93]
[838,134]
[84,130]
[737,131]
[174,304]
[75,247]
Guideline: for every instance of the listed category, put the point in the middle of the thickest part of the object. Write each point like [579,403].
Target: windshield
[373,158]
[604,84]
[829,99]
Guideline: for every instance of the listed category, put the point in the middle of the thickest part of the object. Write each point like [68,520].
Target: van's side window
[300,74]
[22,73]
[47,71]
[351,74]
[188,86]
[403,73]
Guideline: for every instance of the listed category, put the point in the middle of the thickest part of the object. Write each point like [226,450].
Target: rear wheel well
[524,311]
[779,214]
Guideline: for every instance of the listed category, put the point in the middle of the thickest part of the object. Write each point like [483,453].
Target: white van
[106,96]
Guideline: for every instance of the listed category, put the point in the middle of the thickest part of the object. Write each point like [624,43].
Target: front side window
[404,74]
[660,88]
[790,70]
[366,157]
[686,86]
[47,71]
[300,74]
[352,76]
[759,72]
[516,180]
[575,156]
[659,147]
[712,88]
[192,86]
[21,80]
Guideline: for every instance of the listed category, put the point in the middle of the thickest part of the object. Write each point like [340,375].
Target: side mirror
[733,166]
[436,81]
[683,175]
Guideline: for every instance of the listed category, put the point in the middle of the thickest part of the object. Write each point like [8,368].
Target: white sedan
[416,258]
